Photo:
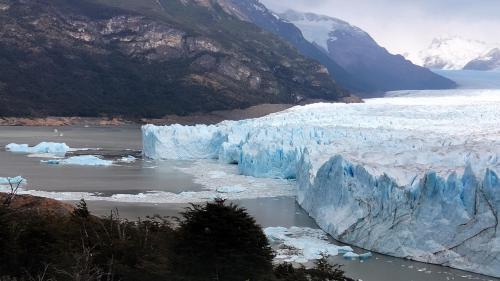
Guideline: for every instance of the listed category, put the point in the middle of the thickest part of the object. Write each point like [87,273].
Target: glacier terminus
[413,175]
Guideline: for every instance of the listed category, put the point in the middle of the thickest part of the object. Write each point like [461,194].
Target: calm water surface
[144,176]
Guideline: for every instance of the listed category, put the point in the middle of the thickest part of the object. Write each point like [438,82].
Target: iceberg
[14,180]
[413,175]
[302,244]
[59,149]
[351,256]
[83,160]
[128,159]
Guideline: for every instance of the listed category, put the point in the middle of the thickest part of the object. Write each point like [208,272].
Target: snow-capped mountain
[490,61]
[451,53]
[358,53]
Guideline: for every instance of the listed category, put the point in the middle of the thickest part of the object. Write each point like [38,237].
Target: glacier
[414,175]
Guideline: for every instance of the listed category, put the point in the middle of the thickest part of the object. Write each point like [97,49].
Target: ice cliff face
[413,176]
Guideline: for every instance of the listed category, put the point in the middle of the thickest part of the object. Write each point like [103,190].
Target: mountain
[145,58]
[451,53]
[255,12]
[489,61]
[365,77]
[358,53]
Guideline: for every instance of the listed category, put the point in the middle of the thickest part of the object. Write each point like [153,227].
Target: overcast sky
[409,25]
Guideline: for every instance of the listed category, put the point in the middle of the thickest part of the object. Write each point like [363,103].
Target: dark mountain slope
[144,58]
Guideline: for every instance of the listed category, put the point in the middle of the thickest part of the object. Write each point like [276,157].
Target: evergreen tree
[219,241]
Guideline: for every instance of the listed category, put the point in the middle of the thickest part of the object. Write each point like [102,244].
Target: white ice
[127,159]
[231,189]
[413,175]
[83,160]
[12,180]
[302,244]
[58,149]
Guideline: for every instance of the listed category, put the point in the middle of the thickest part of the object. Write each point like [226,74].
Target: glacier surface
[414,175]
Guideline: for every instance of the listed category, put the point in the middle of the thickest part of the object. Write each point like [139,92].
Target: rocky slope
[489,61]
[144,59]
[357,52]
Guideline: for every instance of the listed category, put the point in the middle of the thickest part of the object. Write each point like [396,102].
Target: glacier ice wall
[413,175]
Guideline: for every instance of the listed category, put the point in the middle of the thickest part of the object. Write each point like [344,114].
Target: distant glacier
[414,175]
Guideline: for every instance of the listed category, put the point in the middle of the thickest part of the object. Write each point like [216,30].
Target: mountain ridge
[144,59]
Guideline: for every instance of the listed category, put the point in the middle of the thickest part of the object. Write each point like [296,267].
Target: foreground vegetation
[215,241]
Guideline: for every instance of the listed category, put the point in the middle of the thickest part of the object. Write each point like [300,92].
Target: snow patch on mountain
[319,29]
[413,175]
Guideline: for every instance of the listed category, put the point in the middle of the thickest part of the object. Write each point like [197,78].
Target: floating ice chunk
[43,147]
[351,256]
[302,244]
[127,159]
[365,256]
[231,189]
[83,160]
[13,180]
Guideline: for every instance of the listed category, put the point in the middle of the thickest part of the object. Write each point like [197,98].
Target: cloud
[409,25]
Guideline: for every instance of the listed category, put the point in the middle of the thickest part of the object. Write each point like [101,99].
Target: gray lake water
[163,176]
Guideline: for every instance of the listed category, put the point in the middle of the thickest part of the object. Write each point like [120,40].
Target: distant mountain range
[453,53]
[358,53]
[352,57]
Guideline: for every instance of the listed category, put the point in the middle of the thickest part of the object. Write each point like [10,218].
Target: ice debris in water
[59,149]
[231,189]
[127,159]
[302,244]
[83,160]
[13,180]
